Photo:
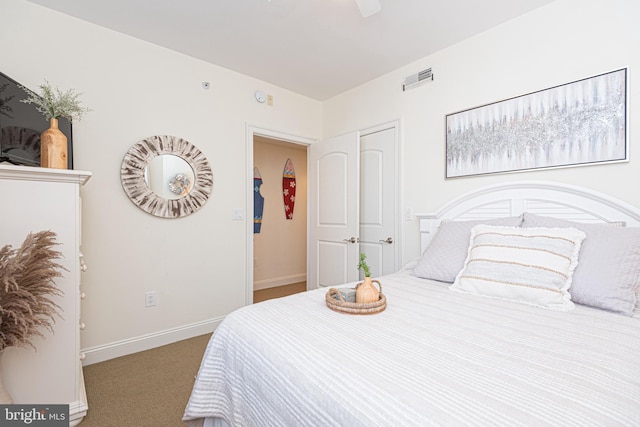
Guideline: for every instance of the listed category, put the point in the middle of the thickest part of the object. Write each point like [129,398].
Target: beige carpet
[151,388]
[146,389]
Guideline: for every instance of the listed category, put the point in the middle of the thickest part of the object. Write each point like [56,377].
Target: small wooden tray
[335,302]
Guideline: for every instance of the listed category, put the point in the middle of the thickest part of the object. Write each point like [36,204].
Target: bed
[439,356]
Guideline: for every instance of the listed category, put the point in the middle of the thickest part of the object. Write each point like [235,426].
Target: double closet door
[353,202]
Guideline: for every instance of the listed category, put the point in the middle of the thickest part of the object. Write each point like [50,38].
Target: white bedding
[433,357]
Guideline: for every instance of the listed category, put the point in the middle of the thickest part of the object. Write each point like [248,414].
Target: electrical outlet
[270,100]
[150,299]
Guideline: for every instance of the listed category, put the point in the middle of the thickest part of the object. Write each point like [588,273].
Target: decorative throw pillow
[443,259]
[609,269]
[528,265]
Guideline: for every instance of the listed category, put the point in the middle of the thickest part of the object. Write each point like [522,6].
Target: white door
[378,200]
[333,179]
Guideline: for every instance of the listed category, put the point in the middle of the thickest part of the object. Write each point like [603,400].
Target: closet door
[378,200]
[334,175]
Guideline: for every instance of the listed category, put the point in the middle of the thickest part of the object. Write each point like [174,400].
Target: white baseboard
[279,281]
[146,342]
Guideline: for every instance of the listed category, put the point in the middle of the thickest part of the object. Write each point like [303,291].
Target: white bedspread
[433,357]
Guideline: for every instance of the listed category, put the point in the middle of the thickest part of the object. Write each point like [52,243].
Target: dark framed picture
[574,124]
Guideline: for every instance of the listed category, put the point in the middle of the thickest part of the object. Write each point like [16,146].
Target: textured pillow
[528,265]
[443,259]
[609,268]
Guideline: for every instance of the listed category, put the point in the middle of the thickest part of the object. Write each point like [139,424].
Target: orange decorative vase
[366,292]
[53,147]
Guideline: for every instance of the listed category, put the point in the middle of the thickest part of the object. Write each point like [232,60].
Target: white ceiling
[317,48]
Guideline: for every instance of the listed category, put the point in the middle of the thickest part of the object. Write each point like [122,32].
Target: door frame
[252,131]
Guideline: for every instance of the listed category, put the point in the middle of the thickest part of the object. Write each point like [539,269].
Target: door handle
[388,241]
[351,240]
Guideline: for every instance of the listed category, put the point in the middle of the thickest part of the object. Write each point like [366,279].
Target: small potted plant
[53,104]
[362,265]
[365,291]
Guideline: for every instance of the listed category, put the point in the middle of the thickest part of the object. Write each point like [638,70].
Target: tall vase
[53,147]
[5,397]
[366,292]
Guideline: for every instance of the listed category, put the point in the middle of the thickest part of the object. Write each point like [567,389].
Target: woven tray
[335,302]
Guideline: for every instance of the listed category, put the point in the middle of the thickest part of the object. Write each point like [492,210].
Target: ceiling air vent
[417,79]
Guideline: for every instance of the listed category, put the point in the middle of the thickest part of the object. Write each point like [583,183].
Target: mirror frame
[138,158]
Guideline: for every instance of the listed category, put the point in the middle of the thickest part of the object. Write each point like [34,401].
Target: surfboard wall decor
[258,201]
[289,188]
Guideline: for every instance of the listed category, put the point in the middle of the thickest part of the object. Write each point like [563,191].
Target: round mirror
[166,176]
[169,176]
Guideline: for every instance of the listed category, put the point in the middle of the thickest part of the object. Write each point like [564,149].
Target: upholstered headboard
[564,201]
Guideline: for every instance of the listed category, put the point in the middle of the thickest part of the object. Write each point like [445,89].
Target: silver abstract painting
[579,123]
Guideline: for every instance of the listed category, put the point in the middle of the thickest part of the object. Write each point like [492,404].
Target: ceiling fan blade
[369,7]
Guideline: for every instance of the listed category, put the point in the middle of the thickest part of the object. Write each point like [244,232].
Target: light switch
[408,214]
[237,214]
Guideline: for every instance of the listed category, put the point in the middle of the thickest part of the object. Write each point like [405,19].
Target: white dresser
[32,200]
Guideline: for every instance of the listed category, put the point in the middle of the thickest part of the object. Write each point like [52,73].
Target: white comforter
[433,357]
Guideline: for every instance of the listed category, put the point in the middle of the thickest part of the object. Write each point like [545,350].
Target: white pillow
[609,270]
[528,265]
[443,259]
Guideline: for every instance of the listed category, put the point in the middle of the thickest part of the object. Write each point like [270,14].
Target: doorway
[280,217]
[252,133]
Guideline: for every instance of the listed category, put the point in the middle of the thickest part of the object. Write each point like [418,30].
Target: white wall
[197,264]
[562,42]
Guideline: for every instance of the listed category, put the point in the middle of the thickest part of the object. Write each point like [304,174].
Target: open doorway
[279,217]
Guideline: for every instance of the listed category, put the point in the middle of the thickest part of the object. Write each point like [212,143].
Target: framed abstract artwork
[579,123]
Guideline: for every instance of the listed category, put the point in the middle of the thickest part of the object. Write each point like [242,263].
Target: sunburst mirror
[166,176]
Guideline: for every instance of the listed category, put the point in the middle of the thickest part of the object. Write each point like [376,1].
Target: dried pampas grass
[27,289]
